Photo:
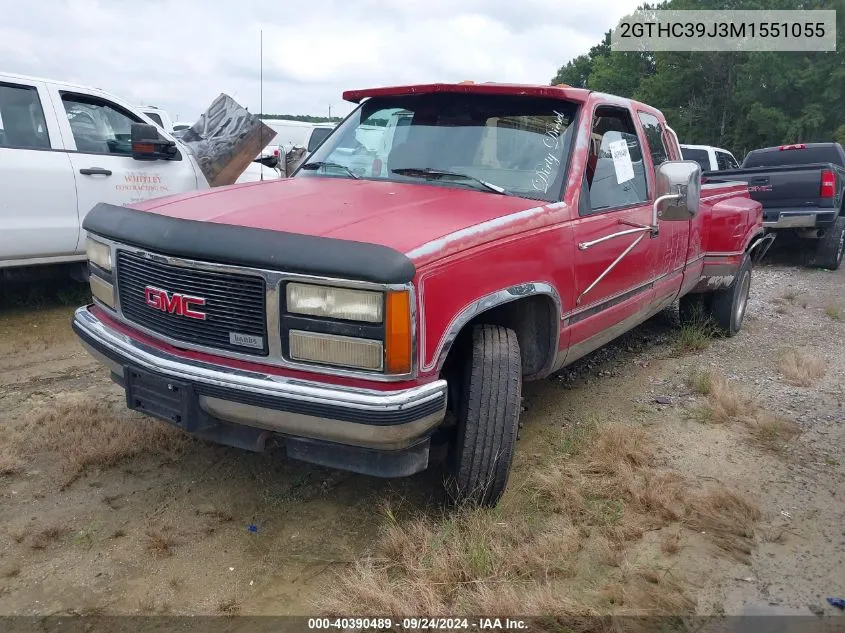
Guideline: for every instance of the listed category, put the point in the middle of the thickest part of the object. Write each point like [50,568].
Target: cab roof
[558,92]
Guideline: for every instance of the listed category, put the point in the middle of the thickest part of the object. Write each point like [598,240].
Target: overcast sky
[180,54]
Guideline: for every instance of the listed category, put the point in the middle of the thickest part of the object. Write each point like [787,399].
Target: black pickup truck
[802,188]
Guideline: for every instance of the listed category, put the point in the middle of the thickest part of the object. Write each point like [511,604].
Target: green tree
[736,100]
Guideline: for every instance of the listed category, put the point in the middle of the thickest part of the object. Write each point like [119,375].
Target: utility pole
[330,110]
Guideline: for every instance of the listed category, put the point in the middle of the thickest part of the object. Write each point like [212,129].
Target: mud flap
[760,247]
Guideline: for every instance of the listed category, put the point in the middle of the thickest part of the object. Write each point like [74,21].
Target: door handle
[95,171]
[760,180]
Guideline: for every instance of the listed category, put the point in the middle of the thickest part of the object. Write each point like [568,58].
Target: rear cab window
[725,161]
[700,156]
[22,123]
[156,118]
[516,143]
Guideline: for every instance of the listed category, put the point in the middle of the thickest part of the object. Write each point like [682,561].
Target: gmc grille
[234,304]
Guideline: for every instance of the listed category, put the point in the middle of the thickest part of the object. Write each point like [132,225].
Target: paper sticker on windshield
[621,161]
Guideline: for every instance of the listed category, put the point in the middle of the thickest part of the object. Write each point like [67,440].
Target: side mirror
[268,161]
[149,144]
[678,190]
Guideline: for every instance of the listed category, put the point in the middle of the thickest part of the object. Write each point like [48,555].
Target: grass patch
[87,434]
[699,382]
[834,313]
[800,368]
[566,527]
[774,432]
[790,295]
[726,403]
[694,336]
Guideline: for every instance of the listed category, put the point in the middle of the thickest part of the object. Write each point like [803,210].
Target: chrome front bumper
[368,418]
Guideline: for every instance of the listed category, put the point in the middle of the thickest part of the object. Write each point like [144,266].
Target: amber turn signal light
[398,332]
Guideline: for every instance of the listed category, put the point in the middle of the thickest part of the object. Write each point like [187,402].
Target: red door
[614,255]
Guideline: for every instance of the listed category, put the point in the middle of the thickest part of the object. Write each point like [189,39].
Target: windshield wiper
[320,164]
[423,172]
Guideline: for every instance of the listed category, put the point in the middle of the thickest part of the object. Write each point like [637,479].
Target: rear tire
[831,247]
[488,418]
[727,307]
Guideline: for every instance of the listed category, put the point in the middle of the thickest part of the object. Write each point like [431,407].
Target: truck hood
[400,216]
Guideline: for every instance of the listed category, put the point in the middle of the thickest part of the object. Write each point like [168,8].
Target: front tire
[488,417]
[831,247]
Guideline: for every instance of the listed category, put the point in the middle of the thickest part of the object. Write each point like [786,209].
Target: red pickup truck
[379,302]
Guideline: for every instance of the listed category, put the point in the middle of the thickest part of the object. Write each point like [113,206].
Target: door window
[22,123]
[725,161]
[98,126]
[615,175]
[654,138]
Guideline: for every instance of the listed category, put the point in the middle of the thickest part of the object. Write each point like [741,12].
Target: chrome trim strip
[725,254]
[585,245]
[610,267]
[273,281]
[473,309]
[267,384]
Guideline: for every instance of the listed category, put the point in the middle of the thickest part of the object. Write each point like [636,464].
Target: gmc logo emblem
[173,303]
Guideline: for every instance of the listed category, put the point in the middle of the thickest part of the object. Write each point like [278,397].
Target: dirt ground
[105,512]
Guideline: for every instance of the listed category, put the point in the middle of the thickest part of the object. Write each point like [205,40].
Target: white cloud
[180,54]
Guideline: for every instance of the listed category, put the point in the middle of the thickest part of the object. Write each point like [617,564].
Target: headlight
[98,254]
[335,303]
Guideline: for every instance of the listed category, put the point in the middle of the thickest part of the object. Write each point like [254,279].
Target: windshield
[514,143]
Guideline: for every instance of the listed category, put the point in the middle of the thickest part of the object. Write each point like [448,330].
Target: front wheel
[488,417]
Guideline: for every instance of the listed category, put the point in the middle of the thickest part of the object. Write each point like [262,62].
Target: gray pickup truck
[802,188]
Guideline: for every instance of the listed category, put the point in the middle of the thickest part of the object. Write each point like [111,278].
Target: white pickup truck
[63,149]
[710,158]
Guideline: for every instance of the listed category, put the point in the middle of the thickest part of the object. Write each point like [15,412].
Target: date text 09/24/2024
[414,624]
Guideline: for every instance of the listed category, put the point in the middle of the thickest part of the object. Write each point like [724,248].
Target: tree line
[739,101]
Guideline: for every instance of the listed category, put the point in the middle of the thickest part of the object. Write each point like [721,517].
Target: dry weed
[10,462]
[726,518]
[800,368]
[670,543]
[41,539]
[773,432]
[229,606]
[587,504]
[91,434]
[726,402]
[834,312]
[159,541]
